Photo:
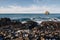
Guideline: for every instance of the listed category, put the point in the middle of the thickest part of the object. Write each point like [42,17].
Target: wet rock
[30,24]
[4,21]
[51,24]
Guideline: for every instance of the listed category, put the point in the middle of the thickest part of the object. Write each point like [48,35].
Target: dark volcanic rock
[8,23]
[4,21]
[30,24]
[51,24]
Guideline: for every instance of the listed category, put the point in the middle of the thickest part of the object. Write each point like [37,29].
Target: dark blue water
[27,16]
[16,16]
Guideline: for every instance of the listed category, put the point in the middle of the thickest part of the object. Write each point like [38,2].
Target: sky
[29,6]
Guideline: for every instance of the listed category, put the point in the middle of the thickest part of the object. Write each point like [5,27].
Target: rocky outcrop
[4,21]
[8,23]
[29,24]
[51,24]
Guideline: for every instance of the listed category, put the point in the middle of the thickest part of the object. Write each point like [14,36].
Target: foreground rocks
[30,30]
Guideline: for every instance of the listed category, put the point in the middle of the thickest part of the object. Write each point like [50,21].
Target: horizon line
[28,13]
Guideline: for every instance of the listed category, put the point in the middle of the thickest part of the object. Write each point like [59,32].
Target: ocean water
[30,16]
[27,15]
[36,17]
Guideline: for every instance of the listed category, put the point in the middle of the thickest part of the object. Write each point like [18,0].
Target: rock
[51,24]
[4,21]
[30,24]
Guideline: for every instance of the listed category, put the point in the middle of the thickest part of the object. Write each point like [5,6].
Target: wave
[40,19]
[36,19]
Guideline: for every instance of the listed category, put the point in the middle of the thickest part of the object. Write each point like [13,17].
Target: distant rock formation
[47,13]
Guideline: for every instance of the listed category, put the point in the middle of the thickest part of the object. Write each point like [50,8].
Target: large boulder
[30,24]
[4,21]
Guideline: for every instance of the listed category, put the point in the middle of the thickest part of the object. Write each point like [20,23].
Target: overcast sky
[29,6]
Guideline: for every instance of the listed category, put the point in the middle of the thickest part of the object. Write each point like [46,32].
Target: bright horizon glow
[35,7]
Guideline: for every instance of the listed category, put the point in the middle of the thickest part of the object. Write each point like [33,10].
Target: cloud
[29,9]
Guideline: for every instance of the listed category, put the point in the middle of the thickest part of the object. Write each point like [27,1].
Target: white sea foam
[37,19]
[24,22]
[54,19]
[38,22]
[46,19]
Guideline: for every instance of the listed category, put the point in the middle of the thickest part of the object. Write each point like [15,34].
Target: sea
[35,17]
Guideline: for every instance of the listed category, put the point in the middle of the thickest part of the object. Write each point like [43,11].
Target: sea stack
[47,12]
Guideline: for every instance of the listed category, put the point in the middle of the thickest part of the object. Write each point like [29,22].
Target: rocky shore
[30,30]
